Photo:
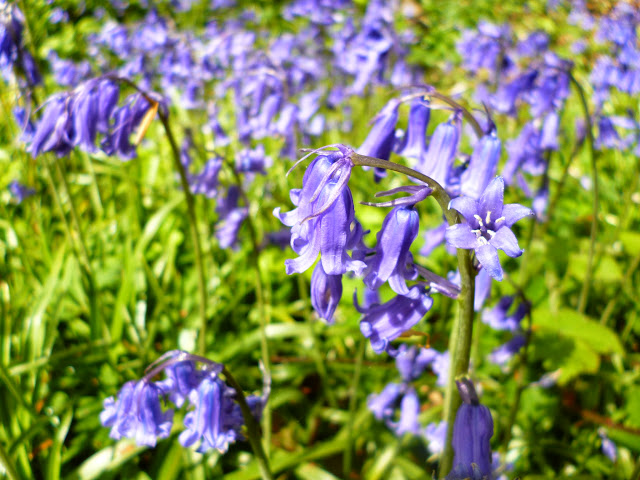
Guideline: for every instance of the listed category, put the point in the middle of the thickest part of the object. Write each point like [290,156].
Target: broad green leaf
[571,324]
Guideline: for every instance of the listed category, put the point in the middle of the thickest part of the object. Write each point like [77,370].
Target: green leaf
[571,324]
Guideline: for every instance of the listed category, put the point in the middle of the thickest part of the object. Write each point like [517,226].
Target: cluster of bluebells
[214,419]
[398,404]
[618,70]
[75,118]
[278,84]
[521,72]
[13,54]
[325,222]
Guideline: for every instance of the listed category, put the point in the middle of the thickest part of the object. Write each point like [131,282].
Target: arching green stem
[253,429]
[462,332]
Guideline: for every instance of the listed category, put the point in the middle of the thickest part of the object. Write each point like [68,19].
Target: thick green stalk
[462,332]
[586,286]
[195,237]
[253,429]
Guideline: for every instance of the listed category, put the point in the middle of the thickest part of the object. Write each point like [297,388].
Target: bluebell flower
[536,43]
[436,435]
[412,362]
[482,166]
[549,132]
[440,366]
[253,160]
[524,152]
[19,191]
[384,323]
[24,122]
[472,432]
[55,129]
[393,261]
[206,182]
[414,144]
[443,146]
[433,238]
[216,420]
[488,226]
[607,137]
[383,405]
[505,98]
[379,142]
[136,413]
[182,378]
[125,121]
[322,222]
[499,319]
[230,218]
[608,447]
[482,48]
[505,352]
[409,410]
[326,292]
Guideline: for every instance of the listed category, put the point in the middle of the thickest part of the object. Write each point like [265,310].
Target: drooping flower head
[488,226]
[326,291]
[384,323]
[324,220]
[472,432]
[392,260]
[215,421]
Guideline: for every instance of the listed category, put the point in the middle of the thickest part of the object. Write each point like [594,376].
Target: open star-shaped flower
[488,226]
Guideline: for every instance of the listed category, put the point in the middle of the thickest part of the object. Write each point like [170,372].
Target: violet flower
[482,166]
[216,420]
[393,261]
[438,160]
[414,144]
[326,292]
[384,323]
[488,226]
[323,221]
[19,191]
[136,413]
[472,432]
[379,142]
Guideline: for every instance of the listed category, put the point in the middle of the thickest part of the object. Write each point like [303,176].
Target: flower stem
[253,429]
[191,211]
[462,332]
[586,286]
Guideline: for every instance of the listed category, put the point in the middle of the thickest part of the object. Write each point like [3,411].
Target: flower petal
[468,207]
[461,236]
[513,212]
[487,255]
[505,240]
[492,200]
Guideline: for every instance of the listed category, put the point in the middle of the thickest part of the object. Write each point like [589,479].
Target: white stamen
[501,219]
[478,233]
[477,217]
[482,241]
[488,219]
[491,233]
